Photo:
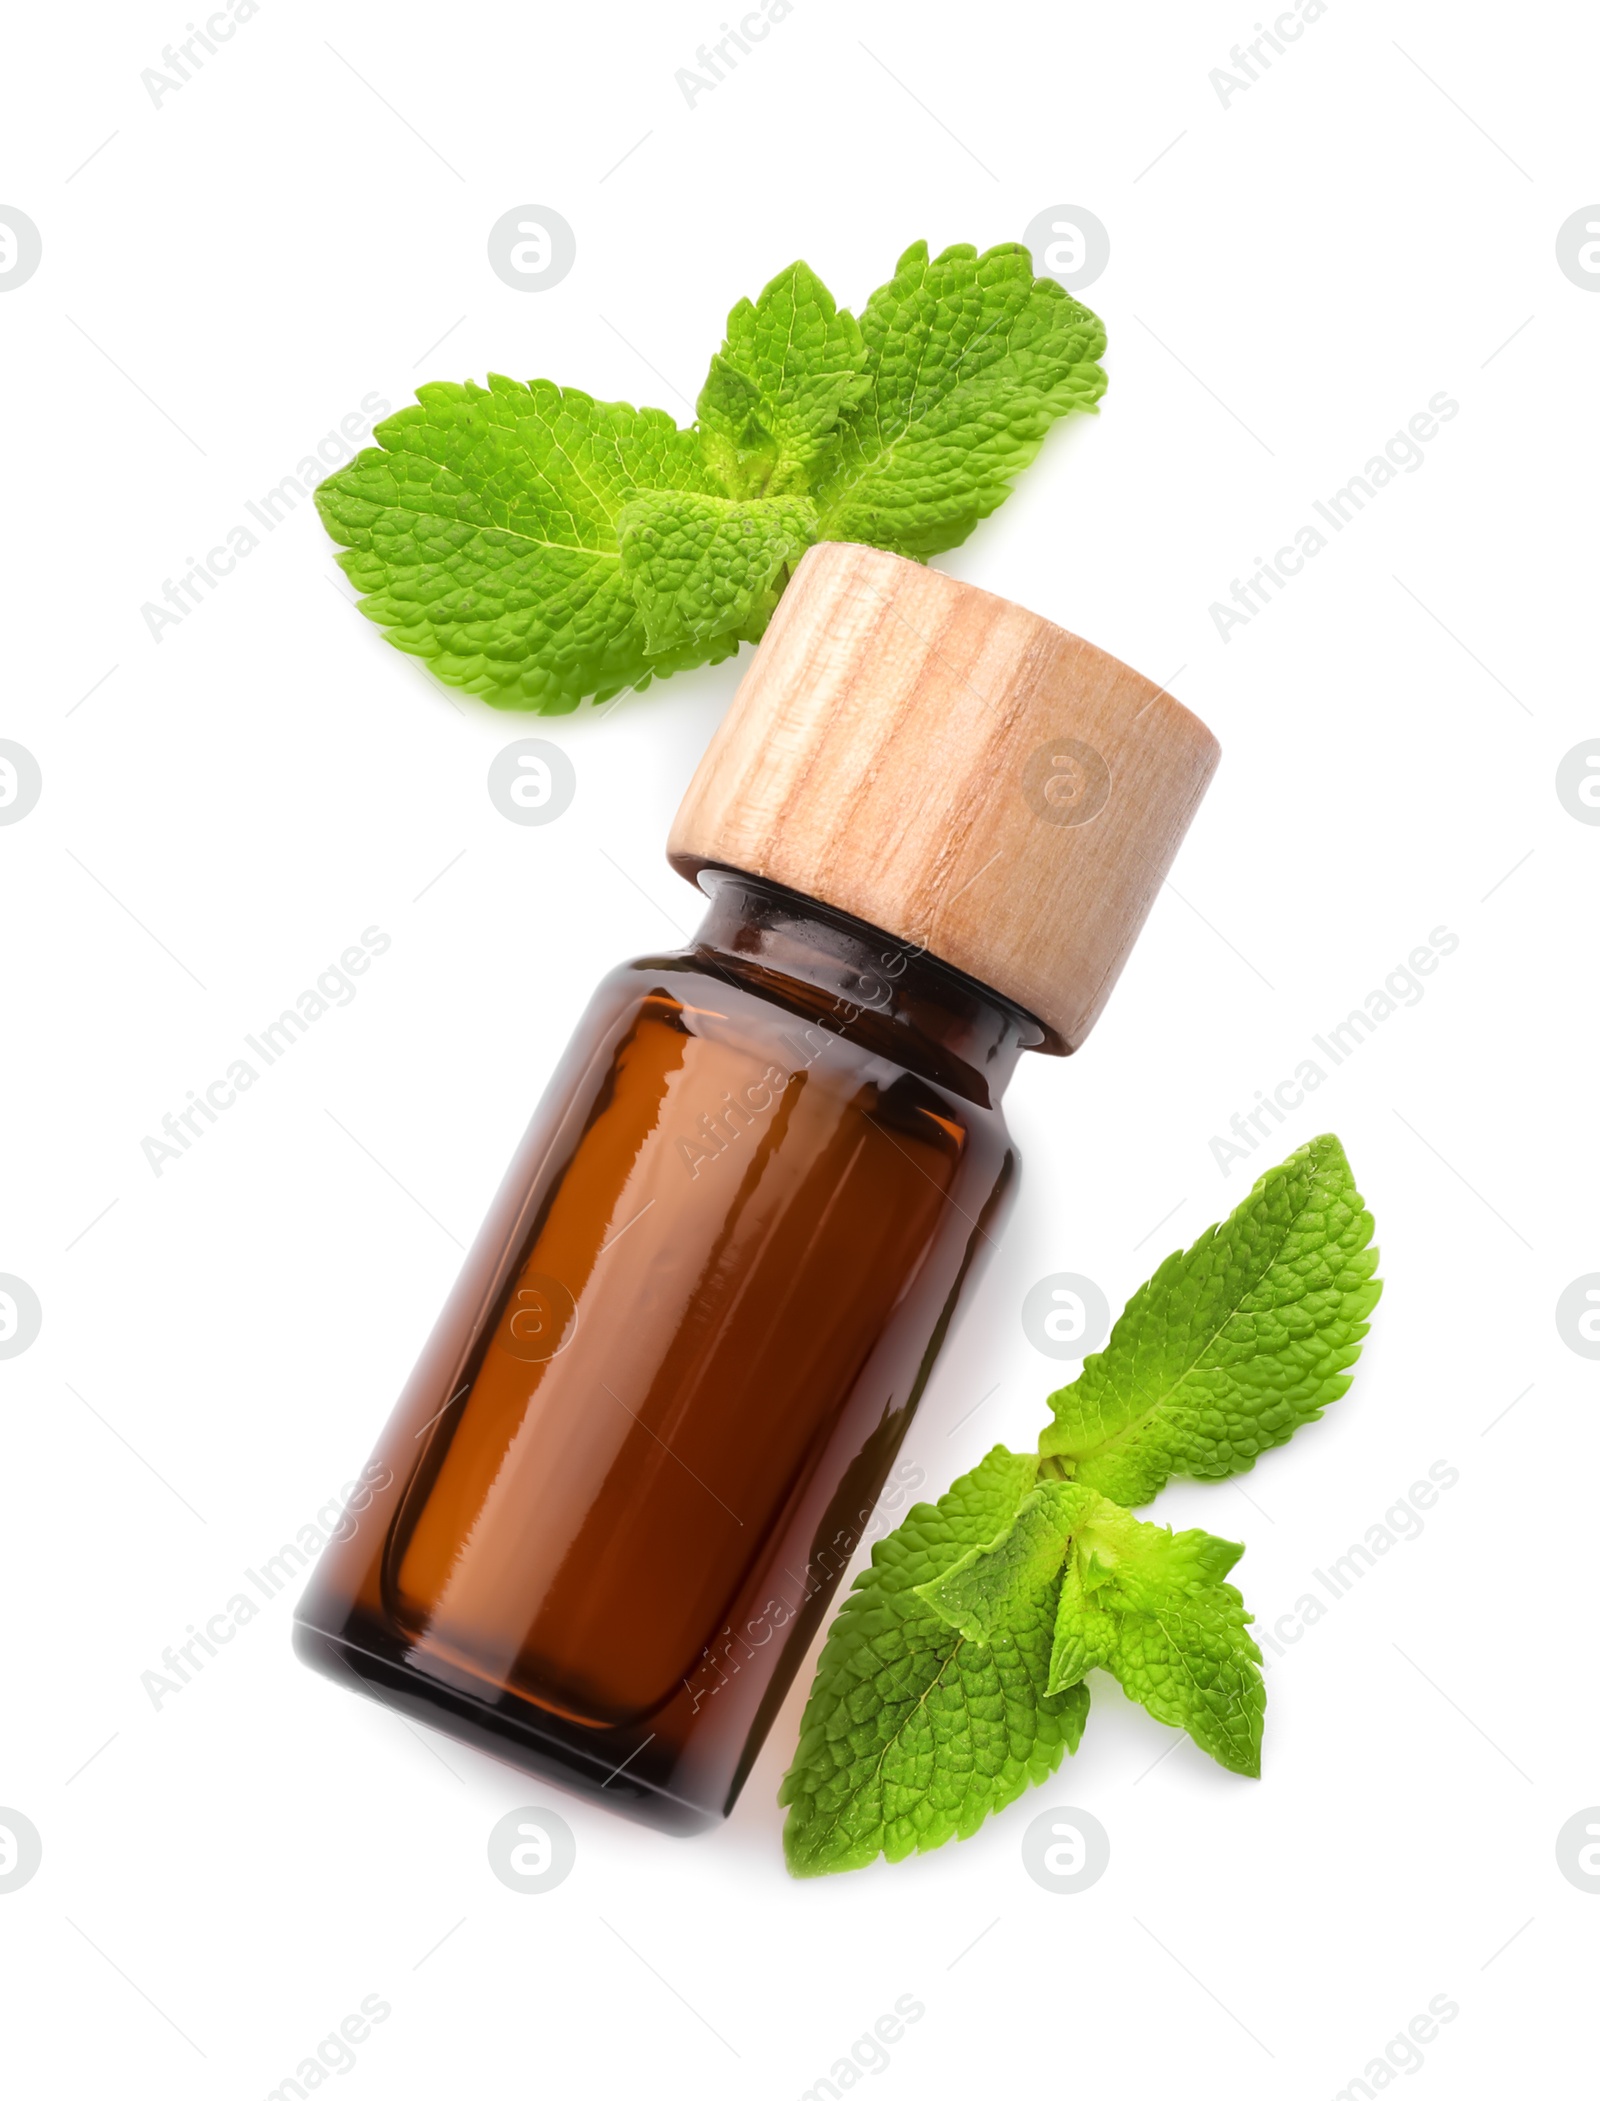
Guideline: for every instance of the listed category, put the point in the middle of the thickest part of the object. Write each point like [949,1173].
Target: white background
[224,811]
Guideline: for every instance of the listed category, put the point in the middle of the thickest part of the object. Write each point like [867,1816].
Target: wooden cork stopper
[951,768]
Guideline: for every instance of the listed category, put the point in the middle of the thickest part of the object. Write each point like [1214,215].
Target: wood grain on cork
[954,769]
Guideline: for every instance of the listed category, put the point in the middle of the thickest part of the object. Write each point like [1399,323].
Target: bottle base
[498,1729]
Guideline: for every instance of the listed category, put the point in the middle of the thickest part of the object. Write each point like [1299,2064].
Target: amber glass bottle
[655,1415]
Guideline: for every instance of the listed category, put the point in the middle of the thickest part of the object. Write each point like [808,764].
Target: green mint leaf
[791,361]
[1150,1606]
[482,531]
[702,566]
[1230,1347]
[913,1734]
[970,358]
[991,1586]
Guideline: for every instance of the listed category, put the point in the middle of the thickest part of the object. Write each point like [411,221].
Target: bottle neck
[879,991]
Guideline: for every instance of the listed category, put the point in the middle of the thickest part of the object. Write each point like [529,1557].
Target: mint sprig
[539,547]
[955,1671]
[1145,1603]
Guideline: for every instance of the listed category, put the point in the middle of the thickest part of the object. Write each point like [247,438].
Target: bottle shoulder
[853,1033]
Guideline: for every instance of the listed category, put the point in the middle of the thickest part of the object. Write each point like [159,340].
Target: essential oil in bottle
[649,1428]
